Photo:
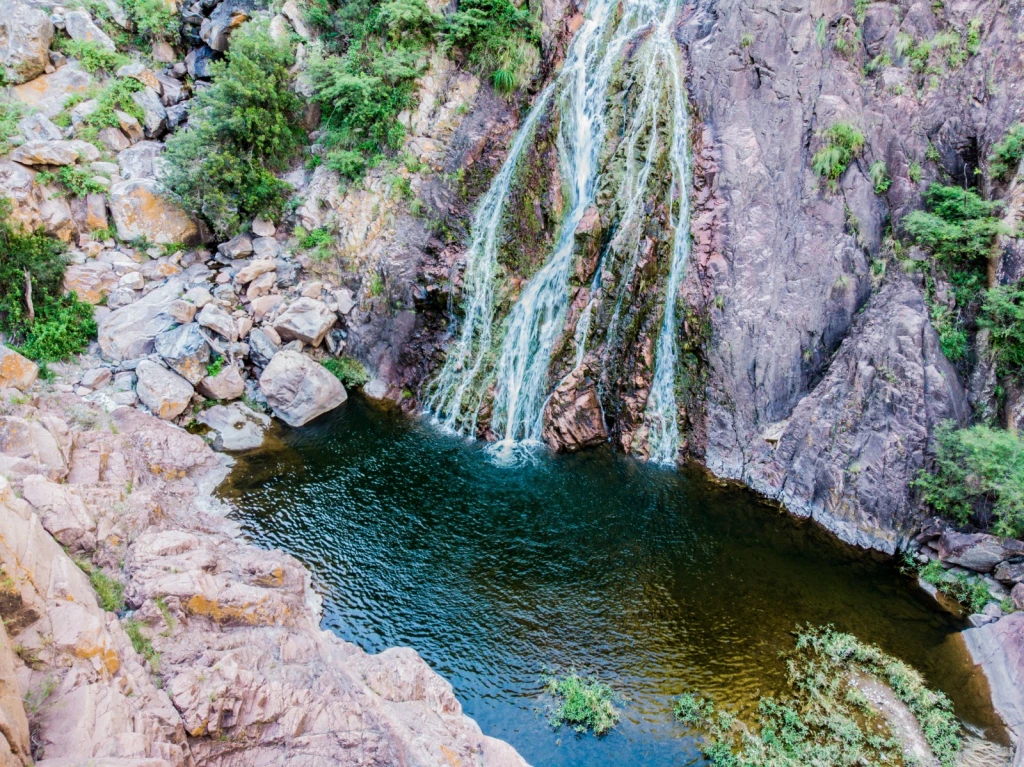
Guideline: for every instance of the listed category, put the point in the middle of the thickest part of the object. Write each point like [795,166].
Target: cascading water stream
[519,368]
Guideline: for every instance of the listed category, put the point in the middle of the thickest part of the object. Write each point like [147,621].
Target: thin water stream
[657,581]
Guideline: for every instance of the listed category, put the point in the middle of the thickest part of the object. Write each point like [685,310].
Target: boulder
[219,321]
[96,378]
[376,388]
[976,551]
[266,247]
[299,389]
[345,301]
[261,306]
[81,27]
[138,71]
[38,127]
[47,93]
[1009,573]
[141,160]
[295,17]
[135,281]
[91,281]
[198,61]
[237,247]
[182,311]
[261,348]
[261,286]
[226,385]
[154,113]
[185,350]
[25,36]
[263,228]
[251,271]
[16,371]
[129,332]
[573,418]
[138,209]
[164,392]
[45,153]
[306,320]
[63,513]
[998,648]
[235,426]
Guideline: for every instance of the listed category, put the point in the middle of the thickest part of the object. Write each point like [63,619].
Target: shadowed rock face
[791,266]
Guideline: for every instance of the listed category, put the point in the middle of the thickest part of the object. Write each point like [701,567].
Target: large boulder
[139,210]
[977,552]
[299,389]
[307,320]
[129,332]
[25,35]
[163,391]
[141,160]
[235,426]
[81,27]
[91,281]
[999,649]
[185,349]
[47,93]
[46,153]
[15,370]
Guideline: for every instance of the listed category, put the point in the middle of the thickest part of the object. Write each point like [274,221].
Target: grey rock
[376,389]
[977,552]
[80,26]
[1009,572]
[266,247]
[261,348]
[155,114]
[998,648]
[236,427]
[198,62]
[96,378]
[129,332]
[182,311]
[306,320]
[299,389]
[219,321]
[38,127]
[185,350]
[345,300]
[237,247]
[47,93]
[228,384]
[164,392]
[141,160]
[25,36]
[172,90]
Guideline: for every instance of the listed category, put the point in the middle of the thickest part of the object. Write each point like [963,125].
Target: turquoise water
[658,582]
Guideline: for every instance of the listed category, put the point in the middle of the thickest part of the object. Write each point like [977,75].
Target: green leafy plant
[977,473]
[842,143]
[747,40]
[75,180]
[879,175]
[348,370]
[496,36]
[91,55]
[154,19]
[1006,154]
[1002,312]
[216,366]
[35,315]
[241,129]
[583,703]
[109,591]
[143,644]
[315,238]
[959,227]
[10,113]
[970,592]
[828,721]
[914,172]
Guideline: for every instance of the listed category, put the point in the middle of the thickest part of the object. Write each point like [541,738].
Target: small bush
[316,238]
[75,180]
[1002,312]
[216,366]
[582,703]
[10,113]
[496,36]
[348,370]
[914,172]
[747,40]
[143,644]
[842,143]
[91,55]
[971,593]
[959,227]
[879,175]
[241,129]
[57,326]
[154,19]
[109,591]
[1006,155]
[978,473]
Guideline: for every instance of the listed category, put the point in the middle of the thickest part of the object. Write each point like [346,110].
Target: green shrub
[977,473]
[216,366]
[348,370]
[583,703]
[971,592]
[914,172]
[495,37]
[58,325]
[842,143]
[143,644]
[879,175]
[241,129]
[91,55]
[77,181]
[828,721]
[1006,154]
[1002,312]
[10,113]
[154,19]
[959,227]
[316,238]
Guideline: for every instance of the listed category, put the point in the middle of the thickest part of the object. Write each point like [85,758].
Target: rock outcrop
[218,658]
[299,389]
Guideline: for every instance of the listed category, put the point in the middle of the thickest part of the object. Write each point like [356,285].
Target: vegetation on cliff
[242,129]
[829,720]
[35,315]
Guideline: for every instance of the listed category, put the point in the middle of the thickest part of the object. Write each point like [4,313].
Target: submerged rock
[236,427]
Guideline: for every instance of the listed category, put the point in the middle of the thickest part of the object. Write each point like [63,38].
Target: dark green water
[656,581]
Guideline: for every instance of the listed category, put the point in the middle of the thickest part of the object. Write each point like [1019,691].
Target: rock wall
[216,656]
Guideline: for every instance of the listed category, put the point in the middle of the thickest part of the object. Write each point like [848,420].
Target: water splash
[519,368]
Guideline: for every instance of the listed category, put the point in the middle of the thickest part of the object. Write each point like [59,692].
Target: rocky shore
[209,651]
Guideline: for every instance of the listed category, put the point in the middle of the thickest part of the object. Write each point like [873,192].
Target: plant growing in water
[829,721]
[583,703]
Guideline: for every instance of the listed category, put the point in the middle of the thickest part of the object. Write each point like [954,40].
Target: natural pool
[656,581]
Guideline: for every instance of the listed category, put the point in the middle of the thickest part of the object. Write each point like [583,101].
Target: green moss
[348,370]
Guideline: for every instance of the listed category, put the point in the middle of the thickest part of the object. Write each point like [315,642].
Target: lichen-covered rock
[46,153]
[129,332]
[16,371]
[139,210]
[25,36]
[299,389]
[185,350]
[164,392]
[91,281]
[47,93]
[33,447]
[307,320]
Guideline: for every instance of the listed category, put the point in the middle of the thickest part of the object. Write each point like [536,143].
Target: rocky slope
[215,656]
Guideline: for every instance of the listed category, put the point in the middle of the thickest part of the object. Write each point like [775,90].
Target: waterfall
[515,357]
